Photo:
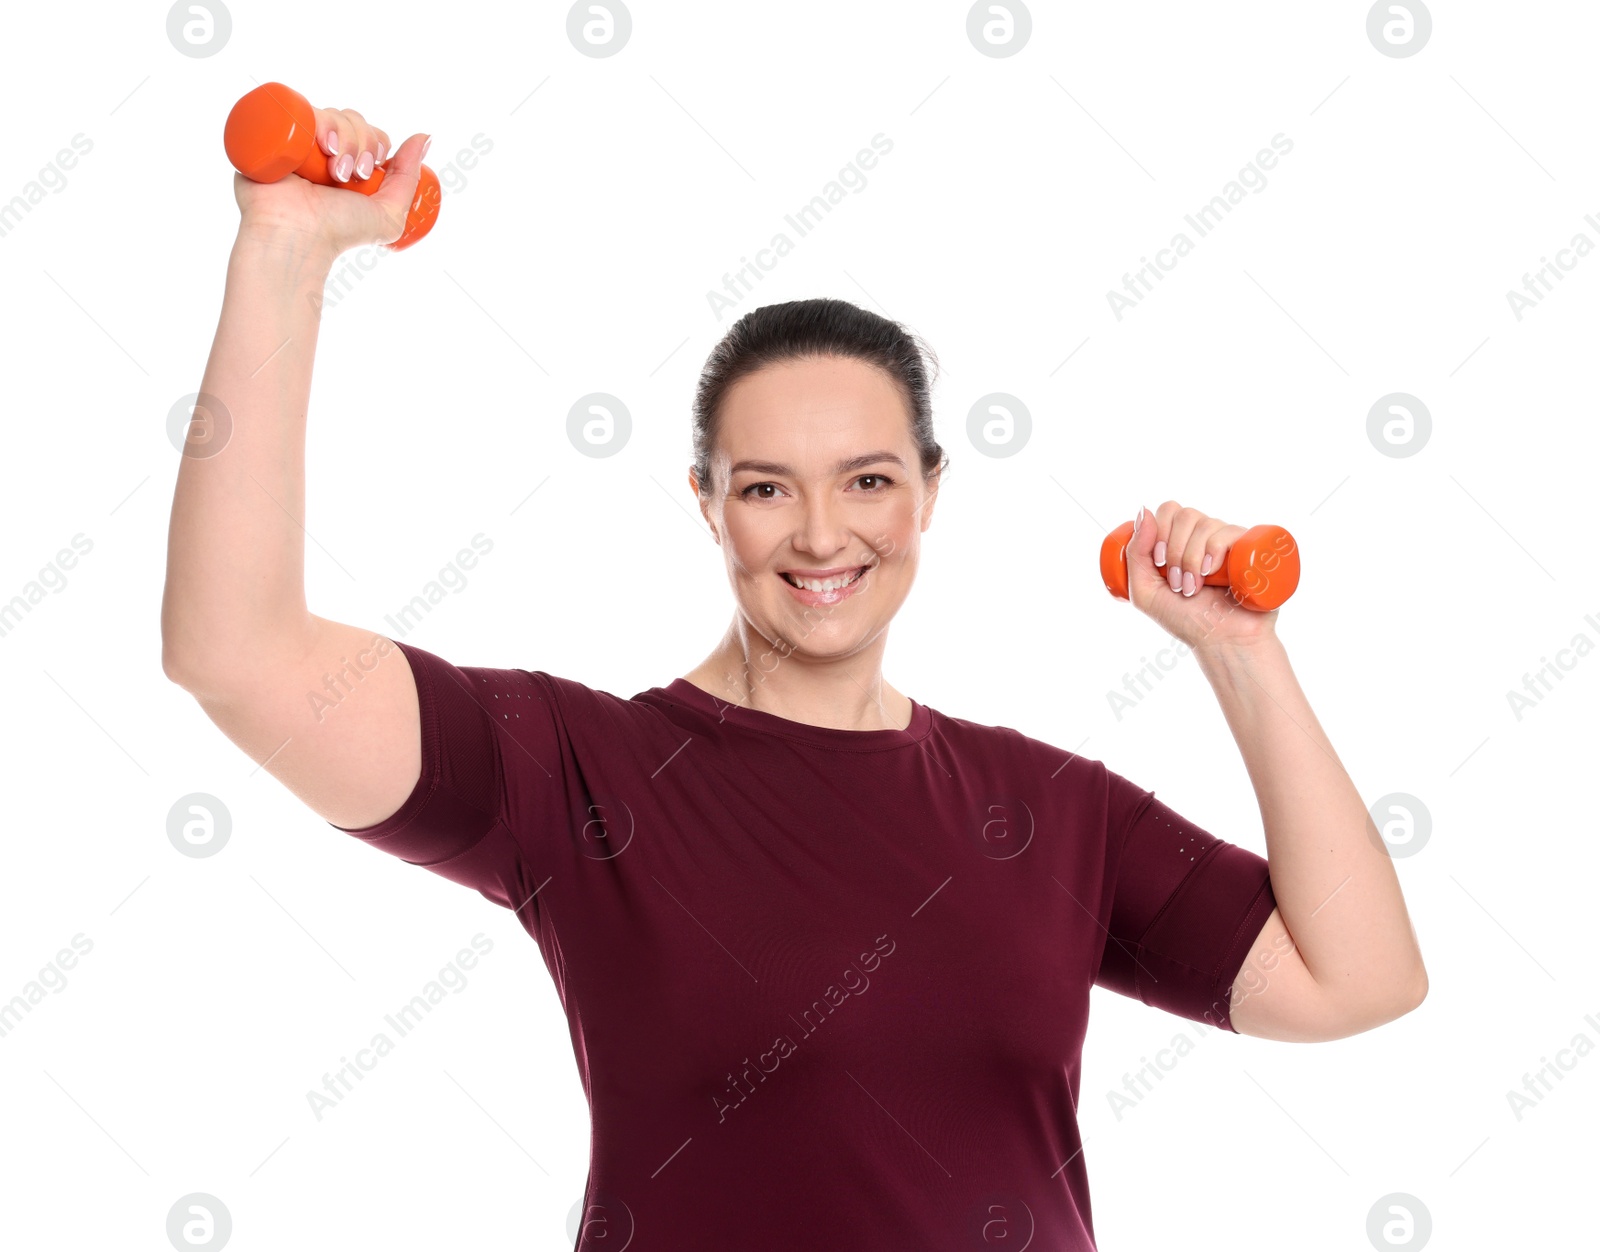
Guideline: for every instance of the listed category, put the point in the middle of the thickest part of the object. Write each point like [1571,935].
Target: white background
[577,257]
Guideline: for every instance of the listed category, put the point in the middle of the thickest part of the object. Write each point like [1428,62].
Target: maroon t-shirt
[826,988]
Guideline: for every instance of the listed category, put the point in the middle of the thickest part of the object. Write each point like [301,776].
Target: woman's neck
[844,695]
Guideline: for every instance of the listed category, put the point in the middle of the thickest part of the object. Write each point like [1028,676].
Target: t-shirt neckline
[682,691]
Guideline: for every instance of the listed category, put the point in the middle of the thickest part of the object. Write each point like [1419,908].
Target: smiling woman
[697,862]
[816,467]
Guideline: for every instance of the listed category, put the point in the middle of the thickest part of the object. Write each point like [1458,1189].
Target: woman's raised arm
[330,709]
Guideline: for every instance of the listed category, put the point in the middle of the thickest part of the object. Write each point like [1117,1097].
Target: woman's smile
[825,591]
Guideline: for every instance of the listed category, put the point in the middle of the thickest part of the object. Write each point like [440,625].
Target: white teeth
[825,584]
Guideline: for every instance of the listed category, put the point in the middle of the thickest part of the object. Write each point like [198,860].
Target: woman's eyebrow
[855,462]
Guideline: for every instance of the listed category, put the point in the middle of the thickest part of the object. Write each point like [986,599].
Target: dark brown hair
[816,328]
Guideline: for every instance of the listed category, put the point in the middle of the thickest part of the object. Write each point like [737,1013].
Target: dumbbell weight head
[271,133]
[1263,567]
[424,210]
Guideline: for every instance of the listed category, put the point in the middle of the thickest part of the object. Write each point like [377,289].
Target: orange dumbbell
[271,133]
[1262,569]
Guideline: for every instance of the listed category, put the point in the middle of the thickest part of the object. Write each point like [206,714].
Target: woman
[825,952]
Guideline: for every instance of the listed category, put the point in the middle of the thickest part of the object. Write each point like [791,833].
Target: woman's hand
[1177,547]
[336,218]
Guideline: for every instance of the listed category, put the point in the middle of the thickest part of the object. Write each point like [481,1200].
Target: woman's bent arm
[235,628]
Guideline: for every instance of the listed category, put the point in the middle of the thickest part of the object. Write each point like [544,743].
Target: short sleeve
[1185,909]
[455,823]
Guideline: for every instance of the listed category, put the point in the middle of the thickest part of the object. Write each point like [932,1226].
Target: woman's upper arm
[1274,995]
[334,717]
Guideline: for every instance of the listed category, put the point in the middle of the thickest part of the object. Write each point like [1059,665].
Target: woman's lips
[821,598]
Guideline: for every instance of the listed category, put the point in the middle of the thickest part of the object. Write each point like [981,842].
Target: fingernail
[1161,551]
[426,144]
[1205,565]
[1137,518]
[343,166]
[1188,582]
[333,143]
[364,165]
[381,150]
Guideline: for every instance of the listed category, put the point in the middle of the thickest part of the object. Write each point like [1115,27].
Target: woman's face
[815,473]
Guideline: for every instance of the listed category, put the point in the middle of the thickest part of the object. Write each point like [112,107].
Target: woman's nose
[822,530]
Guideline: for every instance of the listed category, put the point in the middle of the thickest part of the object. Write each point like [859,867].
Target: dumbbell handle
[1262,568]
[271,133]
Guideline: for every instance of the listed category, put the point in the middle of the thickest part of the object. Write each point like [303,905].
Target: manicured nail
[1205,565]
[342,168]
[1174,578]
[333,143]
[1161,551]
[382,148]
[1188,582]
[364,164]
[426,144]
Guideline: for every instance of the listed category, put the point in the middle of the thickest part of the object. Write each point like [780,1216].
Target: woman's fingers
[1192,555]
[1163,527]
[1208,547]
[363,149]
[352,146]
[336,135]
[1176,524]
[327,130]
[371,145]
[1185,539]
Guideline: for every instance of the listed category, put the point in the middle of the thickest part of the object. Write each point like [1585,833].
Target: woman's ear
[931,487]
[704,503]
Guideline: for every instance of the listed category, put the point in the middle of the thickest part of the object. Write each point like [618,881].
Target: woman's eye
[883,480]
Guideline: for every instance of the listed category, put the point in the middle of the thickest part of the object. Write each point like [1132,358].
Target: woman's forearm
[235,544]
[1335,883]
